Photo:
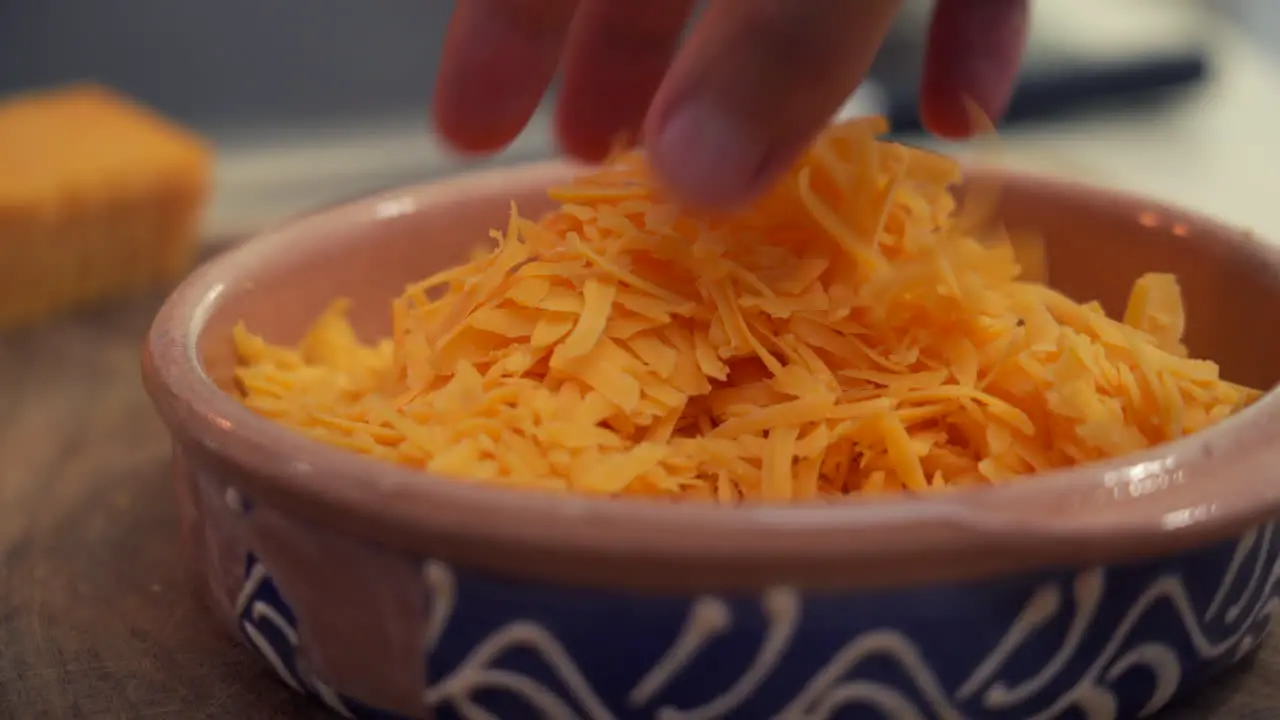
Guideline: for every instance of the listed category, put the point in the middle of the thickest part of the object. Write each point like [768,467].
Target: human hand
[725,112]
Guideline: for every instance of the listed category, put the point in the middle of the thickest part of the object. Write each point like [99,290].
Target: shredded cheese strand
[850,332]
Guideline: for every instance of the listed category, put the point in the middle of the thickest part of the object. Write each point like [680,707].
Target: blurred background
[310,102]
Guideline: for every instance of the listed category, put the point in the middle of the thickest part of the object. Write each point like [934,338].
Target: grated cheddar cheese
[850,332]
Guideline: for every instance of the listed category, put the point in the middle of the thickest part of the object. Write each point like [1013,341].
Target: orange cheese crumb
[850,332]
[98,197]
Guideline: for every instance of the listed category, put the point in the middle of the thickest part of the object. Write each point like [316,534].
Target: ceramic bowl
[1102,591]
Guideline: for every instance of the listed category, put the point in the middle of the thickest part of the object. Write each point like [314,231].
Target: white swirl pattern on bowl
[1244,601]
[826,693]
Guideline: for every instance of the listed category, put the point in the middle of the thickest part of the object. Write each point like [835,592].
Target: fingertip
[945,115]
[753,84]
[453,126]
[474,122]
[706,156]
[617,55]
[973,56]
[498,59]
[583,135]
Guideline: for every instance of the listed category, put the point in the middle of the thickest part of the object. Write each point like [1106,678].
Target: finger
[499,57]
[756,81]
[618,52]
[974,50]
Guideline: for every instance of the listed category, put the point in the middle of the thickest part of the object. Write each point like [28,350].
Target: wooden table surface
[98,615]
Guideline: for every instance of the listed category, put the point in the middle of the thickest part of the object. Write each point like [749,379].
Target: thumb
[755,82]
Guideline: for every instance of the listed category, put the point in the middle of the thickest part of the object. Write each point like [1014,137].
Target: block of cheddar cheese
[99,197]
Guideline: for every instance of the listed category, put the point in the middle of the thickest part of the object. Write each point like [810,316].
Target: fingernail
[706,155]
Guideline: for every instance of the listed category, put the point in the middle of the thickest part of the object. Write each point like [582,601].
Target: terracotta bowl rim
[1198,489]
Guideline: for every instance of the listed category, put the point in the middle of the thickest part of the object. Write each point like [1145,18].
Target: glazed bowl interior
[1098,243]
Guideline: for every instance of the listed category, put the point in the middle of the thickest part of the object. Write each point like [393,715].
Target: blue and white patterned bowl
[1102,592]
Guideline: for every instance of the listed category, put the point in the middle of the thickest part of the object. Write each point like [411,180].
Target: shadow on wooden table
[98,616]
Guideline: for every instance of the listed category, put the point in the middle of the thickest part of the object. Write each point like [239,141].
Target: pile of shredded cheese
[848,333]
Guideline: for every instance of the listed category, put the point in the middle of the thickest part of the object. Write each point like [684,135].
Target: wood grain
[98,616]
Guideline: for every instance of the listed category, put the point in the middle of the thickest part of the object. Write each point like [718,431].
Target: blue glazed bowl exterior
[440,641]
